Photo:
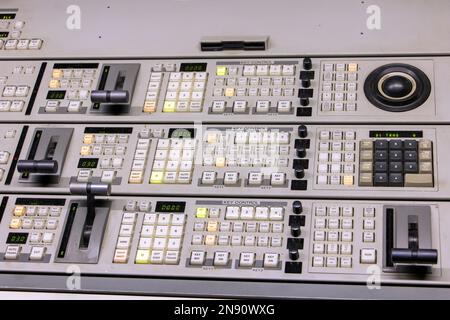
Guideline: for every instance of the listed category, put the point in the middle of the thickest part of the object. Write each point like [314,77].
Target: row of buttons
[242,106]
[254,178]
[222,259]
[236,240]
[21,44]
[139,161]
[153,90]
[260,70]
[253,92]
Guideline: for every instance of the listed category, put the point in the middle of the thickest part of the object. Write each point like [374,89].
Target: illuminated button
[352,67]
[229,92]
[85,150]
[156,177]
[54,84]
[142,256]
[88,139]
[149,106]
[169,106]
[212,226]
[348,180]
[136,177]
[201,213]
[120,256]
[221,70]
[15,223]
[19,211]
[57,73]
[210,240]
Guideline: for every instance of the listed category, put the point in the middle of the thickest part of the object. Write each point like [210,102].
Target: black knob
[397,87]
[293,254]
[297,207]
[307,64]
[302,131]
[295,231]
[306,83]
[299,173]
[301,152]
[304,101]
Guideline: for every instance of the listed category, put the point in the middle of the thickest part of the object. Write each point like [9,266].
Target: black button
[305,93]
[292,267]
[294,244]
[381,144]
[296,220]
[381,155]
[410,144]
[304,112]
[395,144]
[294,255]
[395,155]
[411,167]
[380,167]
[410,155]
[396,167]
[396,180]
[380,179]
[302,143]
[299,185]
[297,207]
[296,231]
[300,163]
[306,75]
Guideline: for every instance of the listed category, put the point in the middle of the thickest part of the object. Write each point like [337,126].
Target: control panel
[217,162]
[276,160]
[345,90]
[300,240]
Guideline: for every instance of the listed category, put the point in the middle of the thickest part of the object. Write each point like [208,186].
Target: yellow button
[85,150]
[212,226]
[348,180]
[169,106]
[229,92]
[210,240]
[156,177]
[16,223]
[220,162]
[201,213]
[212,137]
[88,139]
[19,211]
[352,67]
[221,71]
[150,106]
[53,84]
[142,256]
[135,177]
[57,73]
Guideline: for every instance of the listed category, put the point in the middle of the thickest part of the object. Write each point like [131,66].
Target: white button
[368,256]
[247,259]
[197,257]
[369,224]
[37,253]
[318,261]
[12,252]
[221,258]
[271,260]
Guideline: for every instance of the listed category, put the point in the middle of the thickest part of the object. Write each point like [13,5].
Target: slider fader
[221,163]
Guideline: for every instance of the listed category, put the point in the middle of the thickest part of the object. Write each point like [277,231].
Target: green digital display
[87,163]
[170,206]
[7,16]
[17,238]
[396,134]
[56,94]
[193,67]
[4,34]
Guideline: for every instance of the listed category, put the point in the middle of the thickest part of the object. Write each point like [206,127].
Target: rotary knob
[294,255]
[295,231]
[297,207]
[302,131]
[307,63]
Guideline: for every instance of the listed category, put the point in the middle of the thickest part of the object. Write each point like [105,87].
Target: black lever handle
[90,190]
[110,96]
[419,256]
[37,166]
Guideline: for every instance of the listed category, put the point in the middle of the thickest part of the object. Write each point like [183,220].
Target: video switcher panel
[189,166]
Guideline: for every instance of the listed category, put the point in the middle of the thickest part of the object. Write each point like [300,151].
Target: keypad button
[380,166]
[381,144]
[395,167]
[396,179]
[411,167]
[380,179]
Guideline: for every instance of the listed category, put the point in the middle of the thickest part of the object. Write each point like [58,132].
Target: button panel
[345,237]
